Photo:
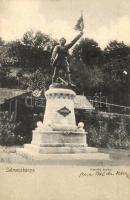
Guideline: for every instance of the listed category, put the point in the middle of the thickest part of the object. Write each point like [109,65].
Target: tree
[116,50]
[2,42]
[28,38]
[33,51]
[116,72]
[88,80]
[86,66]
[88,51]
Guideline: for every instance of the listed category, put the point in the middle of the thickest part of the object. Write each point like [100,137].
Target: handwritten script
[103,172]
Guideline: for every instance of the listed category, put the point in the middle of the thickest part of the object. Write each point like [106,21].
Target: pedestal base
[57,149]
[59,144]
[29,155]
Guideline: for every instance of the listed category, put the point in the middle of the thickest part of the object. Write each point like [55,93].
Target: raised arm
[68,46]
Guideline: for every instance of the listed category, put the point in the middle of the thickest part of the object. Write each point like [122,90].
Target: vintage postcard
[64,99]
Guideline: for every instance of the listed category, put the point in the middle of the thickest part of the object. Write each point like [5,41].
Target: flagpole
[82,13]
[82,18]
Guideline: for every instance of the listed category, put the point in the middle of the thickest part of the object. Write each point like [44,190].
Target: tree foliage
[116,69]
[88,51]
[1,41]
[88,79]
[93,69]
[33,51]
[107,71]
[9,130]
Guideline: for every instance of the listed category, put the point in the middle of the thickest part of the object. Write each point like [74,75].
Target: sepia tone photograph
[64,99]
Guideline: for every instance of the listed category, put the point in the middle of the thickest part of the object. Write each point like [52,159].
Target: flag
[80,24]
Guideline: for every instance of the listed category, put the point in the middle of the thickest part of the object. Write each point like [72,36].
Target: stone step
[62,157]
[59,149]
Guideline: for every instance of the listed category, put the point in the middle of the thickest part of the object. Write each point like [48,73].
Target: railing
[104,106]
[111,108]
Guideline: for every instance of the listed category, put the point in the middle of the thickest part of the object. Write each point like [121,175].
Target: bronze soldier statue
[60,57]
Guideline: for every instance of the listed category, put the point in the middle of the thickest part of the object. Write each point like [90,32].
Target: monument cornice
[60,93]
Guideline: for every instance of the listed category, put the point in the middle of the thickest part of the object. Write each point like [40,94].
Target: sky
[104,20]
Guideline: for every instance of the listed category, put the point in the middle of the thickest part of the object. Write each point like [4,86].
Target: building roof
[6,94]
[81,102]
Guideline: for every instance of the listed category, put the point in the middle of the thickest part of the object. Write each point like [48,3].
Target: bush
[9,130]
[107,130]
[120,137]
[99,136]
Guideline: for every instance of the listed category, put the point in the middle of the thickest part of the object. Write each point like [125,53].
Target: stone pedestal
[59,112]
[58,134]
